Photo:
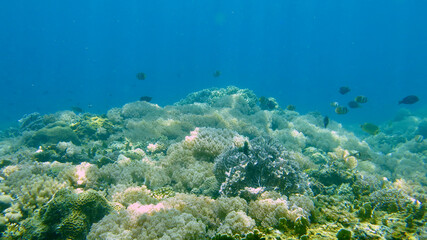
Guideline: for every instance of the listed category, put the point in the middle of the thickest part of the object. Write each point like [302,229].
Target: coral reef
[221,163]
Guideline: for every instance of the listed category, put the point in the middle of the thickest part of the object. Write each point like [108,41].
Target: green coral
[52,134]
[365,212]
[93,127]
[299,226]
[67,216]
[344,234]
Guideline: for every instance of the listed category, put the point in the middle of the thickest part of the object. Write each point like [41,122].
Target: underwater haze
[213,120]
[55,55]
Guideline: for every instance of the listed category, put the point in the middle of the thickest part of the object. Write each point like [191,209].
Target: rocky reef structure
[219,164]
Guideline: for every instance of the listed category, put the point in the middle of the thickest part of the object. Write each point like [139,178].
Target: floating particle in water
[334,104]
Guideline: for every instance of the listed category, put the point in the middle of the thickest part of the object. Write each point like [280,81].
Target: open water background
[59,54]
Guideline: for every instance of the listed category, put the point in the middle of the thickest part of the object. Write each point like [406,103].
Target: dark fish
[361,99]
[353,104]
[291,107]
[217,73]
[411,99]
[140,76]
[76,109]
[267,103]
[245,148]
[341,110]
[145,98]
[344,90]
[370,128]
[325,121]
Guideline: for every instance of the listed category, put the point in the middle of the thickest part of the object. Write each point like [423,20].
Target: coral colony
[219,164]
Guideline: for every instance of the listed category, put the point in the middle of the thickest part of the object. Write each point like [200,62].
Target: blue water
[59,54]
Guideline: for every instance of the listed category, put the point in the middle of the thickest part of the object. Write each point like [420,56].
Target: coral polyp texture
[221,163]
[264,164]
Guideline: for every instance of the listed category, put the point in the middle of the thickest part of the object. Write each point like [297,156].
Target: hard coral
[93,127]
[51,134]
[265,163]
[67,216]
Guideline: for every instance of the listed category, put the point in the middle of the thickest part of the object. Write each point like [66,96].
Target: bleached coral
[81,173]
